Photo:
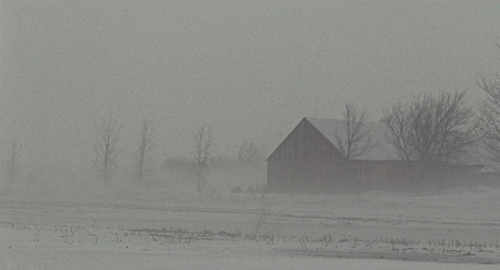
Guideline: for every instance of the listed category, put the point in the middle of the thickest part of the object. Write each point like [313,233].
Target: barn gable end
[305,144]
[305,159]
[308,161]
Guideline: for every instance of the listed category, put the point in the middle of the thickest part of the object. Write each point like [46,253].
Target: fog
[250,73]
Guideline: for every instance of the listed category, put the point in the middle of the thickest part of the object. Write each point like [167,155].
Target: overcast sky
[250,71]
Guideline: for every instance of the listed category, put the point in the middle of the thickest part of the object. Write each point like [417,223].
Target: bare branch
[202,154]
[106,147]
[398,126]
[145,147]
[249,152]
[431,129]
[355,138]
[14,159]
[489,120]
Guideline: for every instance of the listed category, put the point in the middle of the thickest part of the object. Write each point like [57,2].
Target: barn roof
[330,128]
[383,150]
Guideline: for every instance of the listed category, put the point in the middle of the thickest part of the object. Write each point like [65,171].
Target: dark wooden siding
[318,149]
[292,148]
[307,162]
[306,144]
[304,162]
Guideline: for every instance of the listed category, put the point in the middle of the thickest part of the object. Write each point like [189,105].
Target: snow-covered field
[44,247]
[459,229]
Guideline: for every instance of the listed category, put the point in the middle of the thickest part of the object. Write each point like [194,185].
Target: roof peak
[334,119]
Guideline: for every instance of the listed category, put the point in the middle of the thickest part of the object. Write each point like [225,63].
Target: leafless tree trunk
[432,129]
[201,155]
[249,152]
[399,129]
[14,159]
[145,147]
[106,147]
[429,131]
[489,120]
[354,139]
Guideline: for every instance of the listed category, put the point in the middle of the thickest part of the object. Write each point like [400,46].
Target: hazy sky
[250,71]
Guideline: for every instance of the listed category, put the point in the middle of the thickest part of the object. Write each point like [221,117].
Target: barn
[309,160]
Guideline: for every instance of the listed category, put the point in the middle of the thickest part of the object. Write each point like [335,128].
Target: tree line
[433,127]
[430,129]
[107,151]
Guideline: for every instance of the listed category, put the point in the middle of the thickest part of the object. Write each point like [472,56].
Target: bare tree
[399,129]
[249,152]
[106,147]
[489,120]
[145,148]
[354,139]
[201,155]
[431,128]
[14,159]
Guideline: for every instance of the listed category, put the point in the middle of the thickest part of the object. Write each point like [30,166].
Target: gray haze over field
[250,71]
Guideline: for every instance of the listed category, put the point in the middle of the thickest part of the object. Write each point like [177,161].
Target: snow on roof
[383,150]
[330,128]
[493,168]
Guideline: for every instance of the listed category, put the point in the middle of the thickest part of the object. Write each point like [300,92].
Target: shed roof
[383,150]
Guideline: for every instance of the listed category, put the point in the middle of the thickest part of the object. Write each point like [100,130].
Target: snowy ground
[456,230]
[77,248]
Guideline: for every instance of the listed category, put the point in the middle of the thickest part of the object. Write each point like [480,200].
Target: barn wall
[291,149]
[381,175]
[317,148]
[393,176]
[402,176]
[307,162]
[304,162]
